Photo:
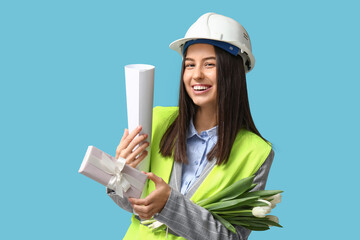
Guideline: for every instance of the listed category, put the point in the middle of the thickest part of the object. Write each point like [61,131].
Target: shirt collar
[192,131]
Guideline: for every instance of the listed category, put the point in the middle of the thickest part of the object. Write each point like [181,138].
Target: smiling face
[199,76]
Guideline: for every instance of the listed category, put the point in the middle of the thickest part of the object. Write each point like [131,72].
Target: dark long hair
[233,111]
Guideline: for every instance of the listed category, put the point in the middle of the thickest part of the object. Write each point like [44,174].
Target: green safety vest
[248,153]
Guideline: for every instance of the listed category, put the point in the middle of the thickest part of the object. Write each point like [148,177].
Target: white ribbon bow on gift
[118,182]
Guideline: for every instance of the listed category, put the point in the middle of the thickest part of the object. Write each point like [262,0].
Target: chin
[201,104]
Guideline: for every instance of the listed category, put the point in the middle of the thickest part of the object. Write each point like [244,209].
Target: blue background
[62,89]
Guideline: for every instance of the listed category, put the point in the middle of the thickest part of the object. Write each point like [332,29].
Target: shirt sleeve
[185,218]
[121,202]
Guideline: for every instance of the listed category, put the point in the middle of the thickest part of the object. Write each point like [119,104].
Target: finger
[146,217]
[157,180]
[139,159]
[133,149]
[145,212]
[137,151]
[130,143]
[138,140]
[126,133]
[141,209]
[131,200]
[127,140]
[139,201]
[119,147]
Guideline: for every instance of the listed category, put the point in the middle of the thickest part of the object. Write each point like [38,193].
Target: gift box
[113,173]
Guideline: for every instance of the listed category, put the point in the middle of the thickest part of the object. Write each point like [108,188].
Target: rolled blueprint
[139,79]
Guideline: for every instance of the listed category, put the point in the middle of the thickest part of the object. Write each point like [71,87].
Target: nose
[198,73]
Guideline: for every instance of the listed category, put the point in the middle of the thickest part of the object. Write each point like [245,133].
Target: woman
[209,142]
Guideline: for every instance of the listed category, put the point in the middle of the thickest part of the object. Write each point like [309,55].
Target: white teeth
[200,88]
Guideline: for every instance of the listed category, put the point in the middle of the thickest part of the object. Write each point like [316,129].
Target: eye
[189,65]
[209,64]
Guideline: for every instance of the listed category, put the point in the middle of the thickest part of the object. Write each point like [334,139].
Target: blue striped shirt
[198,146]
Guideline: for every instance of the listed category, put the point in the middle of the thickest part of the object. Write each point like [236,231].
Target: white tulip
[147,222]
[273,218]
[155,224]
[260,212]
[265,201]
[275,200]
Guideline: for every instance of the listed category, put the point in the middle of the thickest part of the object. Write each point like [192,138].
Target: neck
[205,119]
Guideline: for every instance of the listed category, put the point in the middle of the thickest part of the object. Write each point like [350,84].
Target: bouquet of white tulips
[237,205]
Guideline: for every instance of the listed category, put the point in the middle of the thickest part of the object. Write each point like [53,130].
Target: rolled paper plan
[139,79]
[113,173]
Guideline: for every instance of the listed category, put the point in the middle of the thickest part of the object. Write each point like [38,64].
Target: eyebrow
[208,58]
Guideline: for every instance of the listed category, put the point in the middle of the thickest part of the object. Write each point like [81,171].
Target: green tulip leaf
[262,193]
[257,204]
[271,223]
[253,228]
[231,192]
[224,222]
[229,204]
[235,212]
[251,223]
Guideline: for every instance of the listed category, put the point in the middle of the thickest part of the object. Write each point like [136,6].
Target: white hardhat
[217,27]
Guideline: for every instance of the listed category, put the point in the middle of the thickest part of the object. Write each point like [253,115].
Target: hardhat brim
[178,47]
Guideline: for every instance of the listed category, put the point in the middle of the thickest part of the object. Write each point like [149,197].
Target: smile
[199,89]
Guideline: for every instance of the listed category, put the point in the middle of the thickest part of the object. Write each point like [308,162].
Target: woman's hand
[128,143]
[155,201]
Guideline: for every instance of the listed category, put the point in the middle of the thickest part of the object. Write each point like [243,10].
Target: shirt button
[196,162]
